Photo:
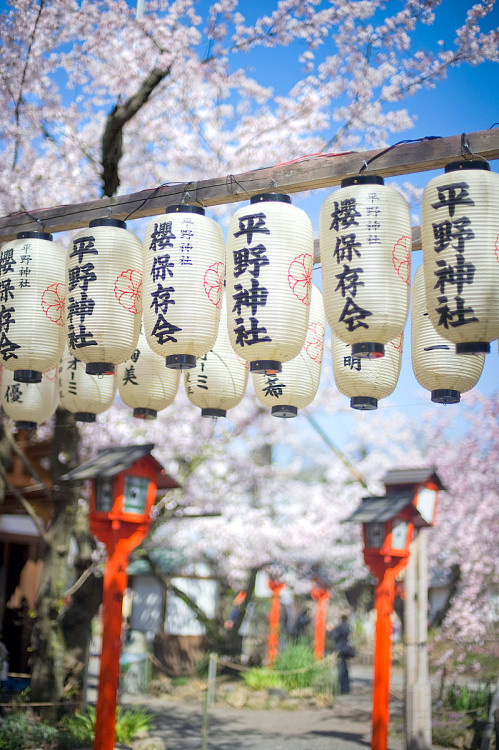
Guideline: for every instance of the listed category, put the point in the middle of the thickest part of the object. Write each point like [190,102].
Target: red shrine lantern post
[388,527]
[320,597]
[123,491]
[274,621]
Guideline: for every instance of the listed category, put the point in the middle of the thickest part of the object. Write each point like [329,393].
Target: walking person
[345,650]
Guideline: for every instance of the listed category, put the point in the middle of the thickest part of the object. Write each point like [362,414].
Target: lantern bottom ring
[473,347]
[85,416]
[284,412]
[27,376]
[445,396]
[269,366]
[143,413]
[213,413]
[364,403]
[24,425]
[368,350]
[99,368]
[180,361]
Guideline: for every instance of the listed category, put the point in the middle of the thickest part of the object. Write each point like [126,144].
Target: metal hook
[233,180]
[363,167]
[186,196]
[273,183]
[466,151]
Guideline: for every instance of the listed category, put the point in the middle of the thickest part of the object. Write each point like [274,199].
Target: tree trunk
[47,644]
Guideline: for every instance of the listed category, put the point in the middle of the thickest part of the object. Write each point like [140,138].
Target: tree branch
[211,629]
[112,139]
[21,85]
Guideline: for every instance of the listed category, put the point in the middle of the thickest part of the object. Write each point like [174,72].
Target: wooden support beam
[308,174]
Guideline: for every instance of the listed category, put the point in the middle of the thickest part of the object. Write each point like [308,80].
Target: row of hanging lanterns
[174,287]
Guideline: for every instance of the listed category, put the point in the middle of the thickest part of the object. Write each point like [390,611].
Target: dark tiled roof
[412,476]
[381,508]
[113,460]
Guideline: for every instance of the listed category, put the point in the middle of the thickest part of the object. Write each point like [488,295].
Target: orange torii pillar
[274,621]
[384,596]
[320,597]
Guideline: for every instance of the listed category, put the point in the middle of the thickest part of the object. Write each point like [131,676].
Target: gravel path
[345,726]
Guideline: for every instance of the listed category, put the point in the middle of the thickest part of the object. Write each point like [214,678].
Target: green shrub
[261,679]
[469,700]
[295,667]
[21,731]
[129,722]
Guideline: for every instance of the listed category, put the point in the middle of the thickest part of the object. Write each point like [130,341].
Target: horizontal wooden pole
[298,176]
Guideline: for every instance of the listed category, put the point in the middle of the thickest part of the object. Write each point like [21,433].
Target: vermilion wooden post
[274,621]
[384,595]
[320,597]
[115,580]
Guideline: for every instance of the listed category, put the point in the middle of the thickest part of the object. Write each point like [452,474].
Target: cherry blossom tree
[96,100]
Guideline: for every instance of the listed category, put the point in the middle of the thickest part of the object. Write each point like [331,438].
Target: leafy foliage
[294,668]
[129,722]
[22,730]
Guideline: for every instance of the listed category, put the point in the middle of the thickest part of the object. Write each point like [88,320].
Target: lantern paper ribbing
[219,380]
[436,365]
[297,383]
[460,237]
[269,278]
[145,383]
[365,240]
[29,404]
[365,381]
[184,269]
[104,294]
[82,394]
[33,278]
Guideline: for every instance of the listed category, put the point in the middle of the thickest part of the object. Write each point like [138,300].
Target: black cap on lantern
[27,376]
[284,412]
[276,197]
[267,366]
[107,222]
[213,413]
[100,368]
[365,349]
[143,413]
[184,208]
[25,425]
[445,396]
[85,416]
[364,403]
[34,235]
[456,166]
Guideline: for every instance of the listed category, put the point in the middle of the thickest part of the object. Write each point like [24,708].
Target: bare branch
[112,139]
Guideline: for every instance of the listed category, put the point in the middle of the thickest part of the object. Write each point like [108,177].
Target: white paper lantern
[296,385]
[436,365]
[269,277]
[219,380]
[365,240]
[184,270]
[145,383]
[32,297]
[82,394]
[29,404]
[366,381]
[459,233]
[104,295]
